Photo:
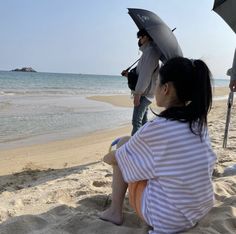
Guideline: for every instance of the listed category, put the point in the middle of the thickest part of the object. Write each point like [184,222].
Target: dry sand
[60,187]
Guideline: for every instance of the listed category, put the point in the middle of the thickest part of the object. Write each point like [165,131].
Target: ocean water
[38,107]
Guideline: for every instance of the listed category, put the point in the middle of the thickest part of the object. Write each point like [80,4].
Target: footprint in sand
[60,196]
[19,203]
[109,175]
[81,193]
[98,183]
[4,215]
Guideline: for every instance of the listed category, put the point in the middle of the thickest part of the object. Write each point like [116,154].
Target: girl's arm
[110,158]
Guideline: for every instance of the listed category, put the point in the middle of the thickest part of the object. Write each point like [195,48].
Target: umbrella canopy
[161,34]
[227,10]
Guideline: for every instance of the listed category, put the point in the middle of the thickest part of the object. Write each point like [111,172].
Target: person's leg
[114,212]
[140,114]
[145,117]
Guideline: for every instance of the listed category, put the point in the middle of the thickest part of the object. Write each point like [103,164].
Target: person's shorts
[136,190]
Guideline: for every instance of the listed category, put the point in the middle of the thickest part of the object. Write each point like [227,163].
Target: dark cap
[143,32]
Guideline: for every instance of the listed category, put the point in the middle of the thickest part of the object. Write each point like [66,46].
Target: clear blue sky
[99,37]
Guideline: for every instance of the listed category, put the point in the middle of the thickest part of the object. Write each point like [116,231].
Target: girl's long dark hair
[192,82]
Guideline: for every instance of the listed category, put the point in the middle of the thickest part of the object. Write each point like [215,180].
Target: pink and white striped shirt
[178,166]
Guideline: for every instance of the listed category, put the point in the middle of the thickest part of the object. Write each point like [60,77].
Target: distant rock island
[24,69]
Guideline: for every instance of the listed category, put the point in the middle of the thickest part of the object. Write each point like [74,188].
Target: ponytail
[201,102]
[192,82]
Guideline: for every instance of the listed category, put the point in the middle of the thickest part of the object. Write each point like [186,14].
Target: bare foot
[112,216]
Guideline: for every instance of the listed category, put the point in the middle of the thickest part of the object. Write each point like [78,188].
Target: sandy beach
[60,187]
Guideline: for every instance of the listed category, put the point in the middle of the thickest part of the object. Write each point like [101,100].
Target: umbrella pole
[127,69]
[230,104]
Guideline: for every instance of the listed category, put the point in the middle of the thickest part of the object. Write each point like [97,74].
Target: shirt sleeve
[135,159]
[149,62]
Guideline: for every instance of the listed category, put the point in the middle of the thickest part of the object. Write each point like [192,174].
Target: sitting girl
[167,165]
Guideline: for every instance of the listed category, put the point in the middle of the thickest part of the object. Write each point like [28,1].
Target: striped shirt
[178,166]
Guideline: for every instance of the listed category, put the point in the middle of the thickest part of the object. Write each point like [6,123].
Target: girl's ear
[166,88]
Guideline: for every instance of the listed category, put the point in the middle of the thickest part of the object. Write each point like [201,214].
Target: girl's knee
[122,141]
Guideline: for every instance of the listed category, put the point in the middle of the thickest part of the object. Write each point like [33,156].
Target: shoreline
[219,93]
[117,101]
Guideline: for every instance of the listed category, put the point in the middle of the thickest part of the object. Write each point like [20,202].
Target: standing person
[232,84]
[168,164]
[147,71]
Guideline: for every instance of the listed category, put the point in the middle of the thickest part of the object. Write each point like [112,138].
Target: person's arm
[137,99]
[135,158]
[149,61]
[232,84]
